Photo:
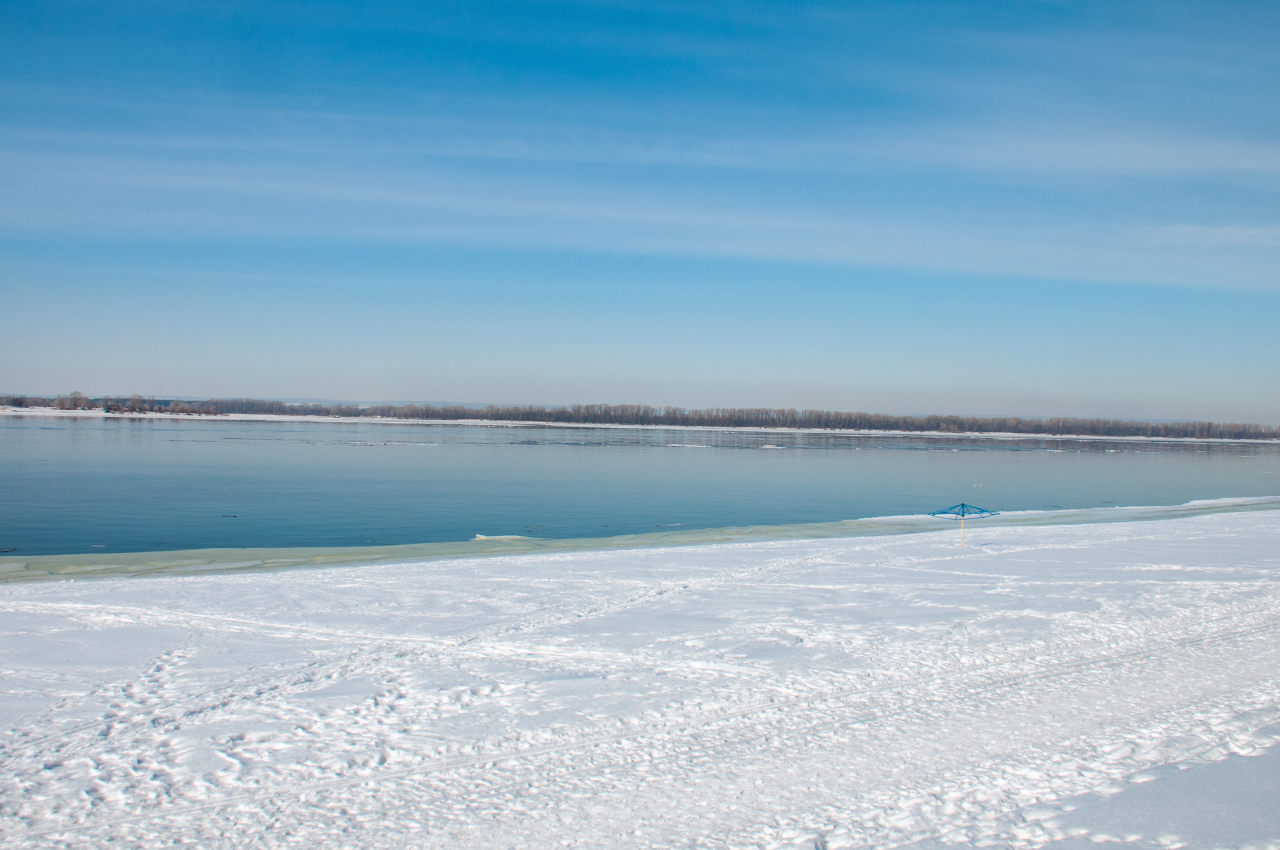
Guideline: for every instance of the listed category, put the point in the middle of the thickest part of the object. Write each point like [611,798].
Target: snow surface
[1060,685]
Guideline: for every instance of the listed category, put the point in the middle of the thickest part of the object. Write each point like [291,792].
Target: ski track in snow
[869,692]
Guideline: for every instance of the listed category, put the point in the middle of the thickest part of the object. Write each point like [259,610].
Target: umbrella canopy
[963,511]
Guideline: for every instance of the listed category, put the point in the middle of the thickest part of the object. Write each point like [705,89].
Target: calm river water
[86,485]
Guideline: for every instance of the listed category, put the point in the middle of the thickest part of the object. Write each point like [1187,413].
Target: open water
[97,486]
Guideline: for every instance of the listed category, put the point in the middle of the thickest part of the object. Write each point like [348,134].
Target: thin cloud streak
[104,196]
[581,134]
[855,245]
[1264,236]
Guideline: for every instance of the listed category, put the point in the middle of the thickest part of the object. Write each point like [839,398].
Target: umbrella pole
[961,532]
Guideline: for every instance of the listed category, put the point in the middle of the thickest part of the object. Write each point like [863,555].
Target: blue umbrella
[961,511]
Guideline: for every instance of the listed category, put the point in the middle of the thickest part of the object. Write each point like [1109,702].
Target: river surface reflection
[93,485]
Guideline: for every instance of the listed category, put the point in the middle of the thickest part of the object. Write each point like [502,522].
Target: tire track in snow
[254,690]
[776,707]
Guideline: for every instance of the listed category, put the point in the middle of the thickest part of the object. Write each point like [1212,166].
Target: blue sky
[981,208]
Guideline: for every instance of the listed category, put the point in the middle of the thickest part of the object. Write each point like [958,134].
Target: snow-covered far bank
[99,413]
[1043,686]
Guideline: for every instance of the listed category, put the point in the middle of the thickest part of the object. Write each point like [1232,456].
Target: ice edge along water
[845,692]
[217,561]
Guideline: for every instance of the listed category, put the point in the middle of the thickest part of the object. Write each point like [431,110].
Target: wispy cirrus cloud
[113,195]
[1228,236]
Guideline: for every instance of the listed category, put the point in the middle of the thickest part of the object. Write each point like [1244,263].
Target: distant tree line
[639,414]
[133,404]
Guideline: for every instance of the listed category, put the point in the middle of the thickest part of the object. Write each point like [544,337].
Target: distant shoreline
[760,418]
[99,413]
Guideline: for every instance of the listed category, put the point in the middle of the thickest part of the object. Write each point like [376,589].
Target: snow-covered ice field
[1047,685]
